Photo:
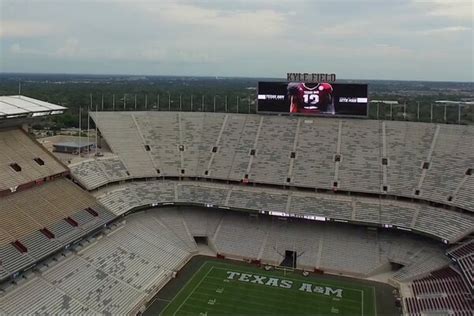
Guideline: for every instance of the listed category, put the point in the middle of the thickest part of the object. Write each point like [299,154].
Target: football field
[224,288]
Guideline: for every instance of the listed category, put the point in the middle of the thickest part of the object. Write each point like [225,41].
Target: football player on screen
[305,98]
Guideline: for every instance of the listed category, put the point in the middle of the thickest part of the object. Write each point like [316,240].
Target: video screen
[313,98]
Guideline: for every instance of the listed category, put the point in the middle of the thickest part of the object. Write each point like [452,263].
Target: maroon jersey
[307,99]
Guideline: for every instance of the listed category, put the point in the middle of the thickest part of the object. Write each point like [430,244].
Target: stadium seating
[111,276]
[398,158]
[312,166]
[422,218]
[125,267]
[22,160]
[360,149]
[127,141]
[441,293]
[407,147]
[463,255]
[43,219]
[292,164]
[451,157]
[94,173]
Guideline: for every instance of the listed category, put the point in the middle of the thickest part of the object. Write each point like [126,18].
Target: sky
[356,39]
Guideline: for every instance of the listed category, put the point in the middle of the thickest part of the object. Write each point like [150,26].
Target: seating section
[275,144]
[89,174]
[119,271]
[463,197]
[126,140]
[360,168]
[113,275]
[397,158]
[232,139]
[463,255]
[44,219]
[202,194]
[441,293]
[22,160]
[451,157]
[241,236]
[161,133]
[360,247]
[94,173]
[43,298]
[418,217]
[329,246]
[407,147]
[314,163]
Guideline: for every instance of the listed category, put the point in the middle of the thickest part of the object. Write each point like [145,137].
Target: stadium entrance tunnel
[395,266]
[201,240]
[289,260]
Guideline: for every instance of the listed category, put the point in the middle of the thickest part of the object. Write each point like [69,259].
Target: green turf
[211,292]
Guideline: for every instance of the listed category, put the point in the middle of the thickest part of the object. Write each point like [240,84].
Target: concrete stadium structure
[348,196]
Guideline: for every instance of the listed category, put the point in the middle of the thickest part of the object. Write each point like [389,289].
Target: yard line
[194,289]
[185,286]
[281,291]
[375,301]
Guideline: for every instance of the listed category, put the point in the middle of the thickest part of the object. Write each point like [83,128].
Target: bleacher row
[463,255]
[443,292]
[93,173]
[40,220]
[112,274]
[423,218]
[116,272]
[23,161]
[331,247]
[398,158]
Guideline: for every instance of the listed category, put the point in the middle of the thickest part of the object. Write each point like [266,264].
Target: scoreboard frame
[337,115]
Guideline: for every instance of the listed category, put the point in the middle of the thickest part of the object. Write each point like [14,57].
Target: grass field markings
[312,282]
[252,268]
[375,301]
[296,300]
[194,289]
[245,305]
[229,267]
[185,286]
[309,281]
[293,279]
[270,293]
[289,306]
[163,299]
[283,291]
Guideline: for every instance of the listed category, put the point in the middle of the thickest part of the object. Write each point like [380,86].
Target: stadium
[225,213]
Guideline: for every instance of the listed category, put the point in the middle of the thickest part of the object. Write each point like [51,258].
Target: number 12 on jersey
[311,98]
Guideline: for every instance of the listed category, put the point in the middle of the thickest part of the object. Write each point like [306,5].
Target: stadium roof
[17,106]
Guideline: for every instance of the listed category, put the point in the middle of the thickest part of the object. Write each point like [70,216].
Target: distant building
[455,102]
[384,101]
[73,147]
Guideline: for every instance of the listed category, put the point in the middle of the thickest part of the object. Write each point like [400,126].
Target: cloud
[453,9]
[446,30]
[70,48]
[24,29]
[248,23]
[239,37]
[18,49]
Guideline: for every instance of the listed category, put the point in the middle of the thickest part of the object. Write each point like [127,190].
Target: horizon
[283,78]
